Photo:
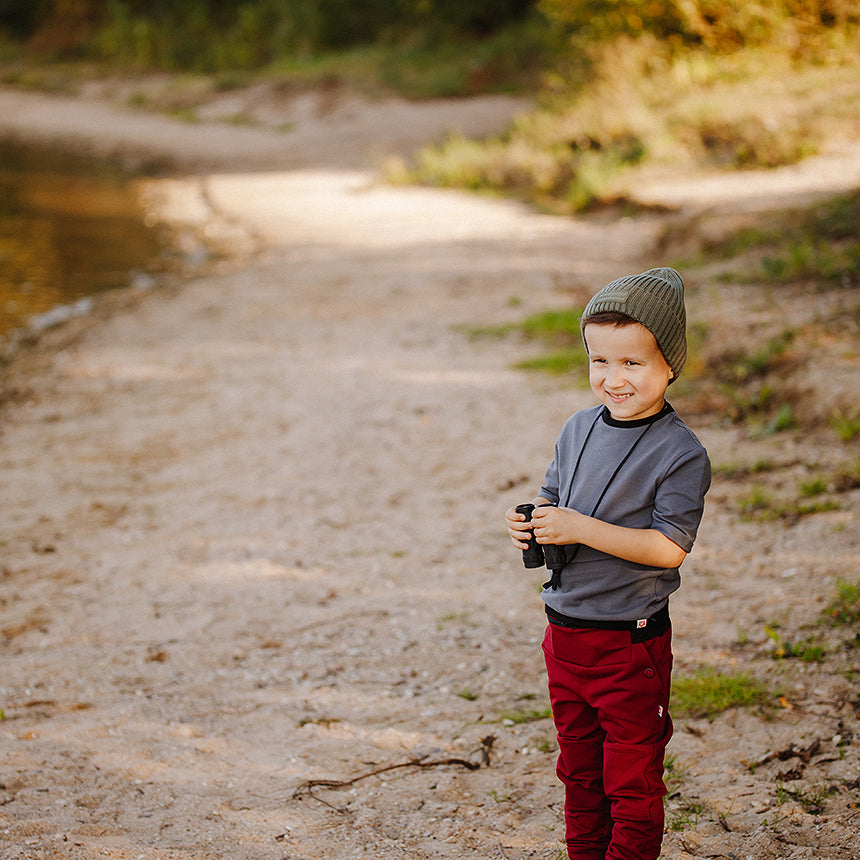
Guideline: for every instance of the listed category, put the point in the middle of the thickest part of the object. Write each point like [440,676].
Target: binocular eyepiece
[538,555]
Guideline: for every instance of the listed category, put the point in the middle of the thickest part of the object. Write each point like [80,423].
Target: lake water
[69,228]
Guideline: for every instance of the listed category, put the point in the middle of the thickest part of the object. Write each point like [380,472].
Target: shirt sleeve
[549,489]
[680,499]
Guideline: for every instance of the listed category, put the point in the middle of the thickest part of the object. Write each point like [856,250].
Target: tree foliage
[21,19]
[715,24]
[201,34]
[207,35]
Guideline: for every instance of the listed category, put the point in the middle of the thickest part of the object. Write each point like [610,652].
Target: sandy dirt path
[252,537]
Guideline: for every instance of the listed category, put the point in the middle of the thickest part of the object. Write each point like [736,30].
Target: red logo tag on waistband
[642,622]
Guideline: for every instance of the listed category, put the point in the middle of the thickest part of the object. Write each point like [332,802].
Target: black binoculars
[538,555]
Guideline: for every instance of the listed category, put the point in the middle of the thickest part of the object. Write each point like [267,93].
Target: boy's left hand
[555,525]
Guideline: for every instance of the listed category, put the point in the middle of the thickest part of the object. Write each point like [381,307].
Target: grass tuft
[708,693]
[844,609]
[528,715]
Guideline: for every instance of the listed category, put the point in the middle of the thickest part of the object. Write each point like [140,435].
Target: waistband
[640,630]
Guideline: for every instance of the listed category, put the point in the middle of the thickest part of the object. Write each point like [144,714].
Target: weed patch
[557,330]
[708,693]
[557,363]
[528,715]
[685,816]
[847,477]
[819,245]
[806,650]
[812,800]
[846,425]
[844,609]
[759,505]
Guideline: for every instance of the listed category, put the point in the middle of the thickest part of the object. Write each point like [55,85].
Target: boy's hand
[518,528]
[555,525]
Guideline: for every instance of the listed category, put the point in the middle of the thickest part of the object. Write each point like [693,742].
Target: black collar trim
[638,422]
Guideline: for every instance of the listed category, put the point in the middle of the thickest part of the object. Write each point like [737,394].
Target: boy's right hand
[518,528]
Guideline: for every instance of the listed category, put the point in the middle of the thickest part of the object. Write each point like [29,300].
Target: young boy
[624,497]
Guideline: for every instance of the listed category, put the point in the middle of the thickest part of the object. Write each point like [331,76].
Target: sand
[252,524]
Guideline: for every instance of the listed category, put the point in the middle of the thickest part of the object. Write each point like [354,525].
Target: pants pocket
[588,648]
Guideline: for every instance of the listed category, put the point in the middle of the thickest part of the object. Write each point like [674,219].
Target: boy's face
[627,371]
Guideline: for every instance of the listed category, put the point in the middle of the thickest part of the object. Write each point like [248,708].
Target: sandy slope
[252,536]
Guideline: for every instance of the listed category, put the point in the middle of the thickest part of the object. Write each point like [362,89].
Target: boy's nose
[614,377]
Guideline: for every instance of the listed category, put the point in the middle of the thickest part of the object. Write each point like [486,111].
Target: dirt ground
[252,520]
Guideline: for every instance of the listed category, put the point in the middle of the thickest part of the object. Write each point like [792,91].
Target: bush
[208,35]
[719,25]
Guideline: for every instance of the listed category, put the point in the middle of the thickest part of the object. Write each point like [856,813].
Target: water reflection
[68,229]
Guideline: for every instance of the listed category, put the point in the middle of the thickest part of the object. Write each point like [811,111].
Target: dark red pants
[610,703]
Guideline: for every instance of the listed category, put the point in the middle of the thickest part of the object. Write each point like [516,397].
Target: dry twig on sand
[306,788]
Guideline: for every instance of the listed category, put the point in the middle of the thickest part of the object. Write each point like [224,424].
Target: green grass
[758,505]
[557,330]
[847,477]
[783,419]
[708,693]
[823,247]
[805,650]
[749,382]
[685,816]
[525,715]
[557,363]
[844,609]
[675,774]
[742,366]
[818,245]
[559,179]
[553,324]
[812,800]
[733,471]
[813,487]
[546,744]
[846,425]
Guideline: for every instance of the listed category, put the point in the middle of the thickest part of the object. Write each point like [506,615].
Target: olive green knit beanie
[656,300]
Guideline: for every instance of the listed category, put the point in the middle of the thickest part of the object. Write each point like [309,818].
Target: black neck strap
[647,423]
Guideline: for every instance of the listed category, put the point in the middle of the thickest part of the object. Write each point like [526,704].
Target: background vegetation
[616,83]
[214,35]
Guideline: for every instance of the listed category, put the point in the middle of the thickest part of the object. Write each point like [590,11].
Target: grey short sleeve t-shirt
[651,473]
